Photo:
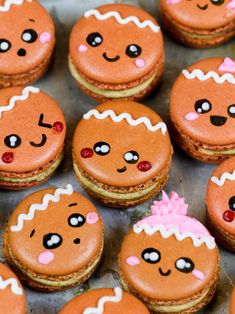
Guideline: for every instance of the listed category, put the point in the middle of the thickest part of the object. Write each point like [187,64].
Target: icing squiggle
[8,3]
[100,308]
[225,176]
[126,116]
[120,20]
[201,76]
[41,207]
[13,283]
[23,96]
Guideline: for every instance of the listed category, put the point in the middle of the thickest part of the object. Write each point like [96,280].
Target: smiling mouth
[218,120]
[110,59]
[164,273]
[123,169]
[204,7]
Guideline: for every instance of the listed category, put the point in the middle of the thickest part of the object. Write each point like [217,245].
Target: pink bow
[227,66]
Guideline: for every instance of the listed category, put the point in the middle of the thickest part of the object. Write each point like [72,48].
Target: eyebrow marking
[32,233]
[73,204]
[32,20]
[42,124]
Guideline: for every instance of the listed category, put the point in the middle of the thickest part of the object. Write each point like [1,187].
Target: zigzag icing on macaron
[8,3]
[41,207]
[13,283]
[120,20]
[126,116]
[101,303]
[201,76]
[25,95]
[225,176]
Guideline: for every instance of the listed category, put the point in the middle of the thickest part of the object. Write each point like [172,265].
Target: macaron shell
[232,303]
[116,37]
[28,15]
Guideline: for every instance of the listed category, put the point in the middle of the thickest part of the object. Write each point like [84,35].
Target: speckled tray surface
[187,177]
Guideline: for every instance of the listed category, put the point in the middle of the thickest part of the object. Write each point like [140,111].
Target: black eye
[231,111]
[101,148]
[151,255]
[217,2]
[94,39]
[133,51]
[12,141]
[202,106]
[5,45]
[29,36]
[184,264]
[76,220]
[52,240]
[131,157]
[231,203]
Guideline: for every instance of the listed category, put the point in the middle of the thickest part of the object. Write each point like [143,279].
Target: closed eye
[43,124]
[40,144]
[32,233]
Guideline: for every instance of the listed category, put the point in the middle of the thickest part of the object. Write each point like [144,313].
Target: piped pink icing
[132,260]
[46,257]
[191,116]
[45,37]
[228,65]
[198,274]
[140,63]
[231,4]
[82,48]
[92,218]
[173,1]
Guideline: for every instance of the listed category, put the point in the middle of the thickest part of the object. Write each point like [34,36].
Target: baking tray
[188,177]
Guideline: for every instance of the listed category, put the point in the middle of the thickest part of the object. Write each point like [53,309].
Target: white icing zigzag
[200,75]
[126,116]
[225,176]
[8,3]
[209,241]
[41,207]
[100,309]
[24,96]
[15,288]
[120,20]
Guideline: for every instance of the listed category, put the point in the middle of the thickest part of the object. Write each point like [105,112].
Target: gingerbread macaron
[12,296]
[202,109]
[116,52]
[105,301]
[220,203]
[122,153]
[27,41]
[164,259]
[62,236]
[232,303]
[32,133]
[201,23]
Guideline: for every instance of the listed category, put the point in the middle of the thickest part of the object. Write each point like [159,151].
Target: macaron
[202,23]
[32,133]
[164,259]
[12,296]
[116,52]
[220,203]
[54,239]
[232,303]
[104,301]
[202,109]
[121,153]
[27,41]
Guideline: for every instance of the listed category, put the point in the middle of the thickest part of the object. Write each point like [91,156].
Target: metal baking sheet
[187,177]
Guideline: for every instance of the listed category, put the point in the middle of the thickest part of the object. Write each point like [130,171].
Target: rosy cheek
[92,218]
[198,274]
[8,157]
[46,257]
[58,126]
[132,260]
[173,1]
[144,166]
[191,116]
[140,63]
[45,37]
[86,152]
[231,4]
[82,48]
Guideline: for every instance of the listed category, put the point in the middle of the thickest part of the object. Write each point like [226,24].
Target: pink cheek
[82,48]
[58,126]
[8,157]
[140,63]
[86,152]
[133,260]
[144,166]
[46,257]
[173,1]
[198,274]
[45,37]
[191,116]
[92,218]
[231,4]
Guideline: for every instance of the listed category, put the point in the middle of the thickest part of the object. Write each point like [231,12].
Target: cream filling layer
[109,93]
[217,152]
[113,195]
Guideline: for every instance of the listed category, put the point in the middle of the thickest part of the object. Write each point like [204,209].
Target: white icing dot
[98,40]
[55,239]
[199,110]
[103,149]
[4,45]
[205,106]
[180,263]
[133,48]
[188,265]
[128,156]
[154,256]
[26,36]
[49,243]
[13,140]
[232,109]
[73,221]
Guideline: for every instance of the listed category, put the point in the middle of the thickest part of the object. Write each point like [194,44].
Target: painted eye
[231,203]
[231,111]
[217,2]
[94,39]
[5,45]
[131,157]
[151,255]
[52,241]
[29,36]
[133,51]
[101,148]
[12,141]
[202,106]
[76,220]
[184,264]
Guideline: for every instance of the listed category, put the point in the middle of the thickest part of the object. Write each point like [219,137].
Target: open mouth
[167,273]
[110,59]
[204,7]
[123,169]
[218,120]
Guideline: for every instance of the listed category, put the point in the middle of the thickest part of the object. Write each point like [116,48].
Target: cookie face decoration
[220,200]
[12,297]
[167,250]
[26,42]
[116,51]
[104,301]
[127,146]
[202,109]
[64,236]
[32,133]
